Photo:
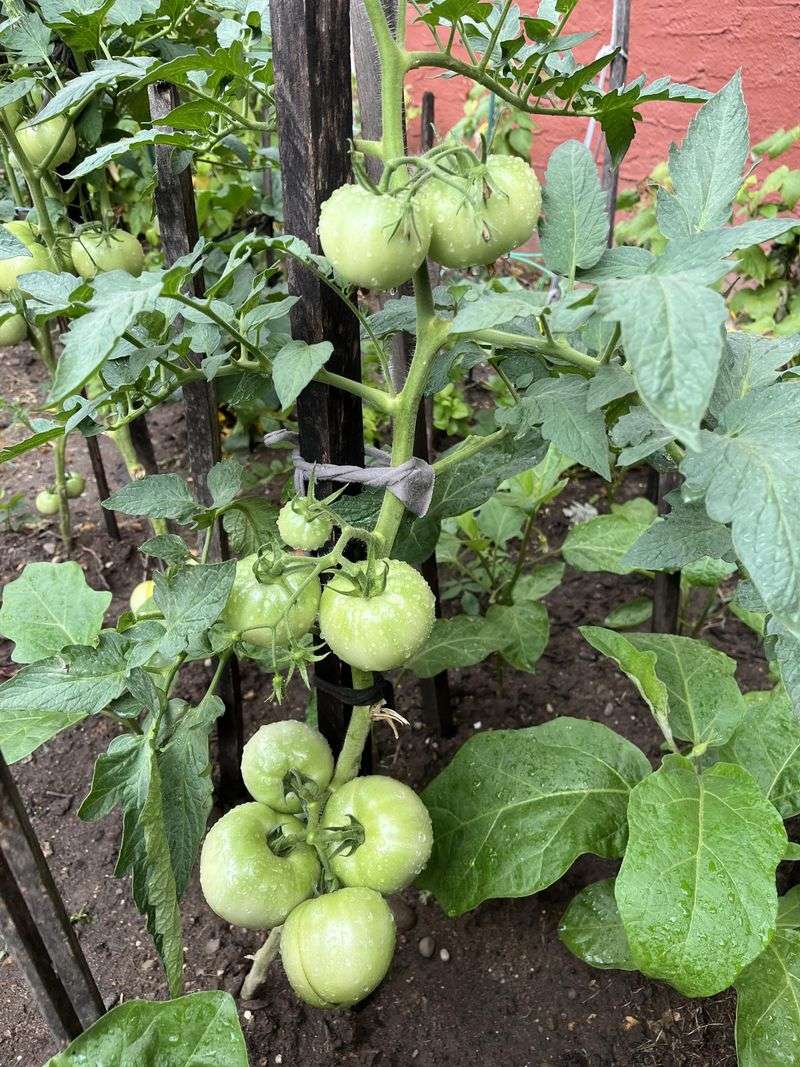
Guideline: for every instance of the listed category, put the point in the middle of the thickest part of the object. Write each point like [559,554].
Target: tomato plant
[623,358]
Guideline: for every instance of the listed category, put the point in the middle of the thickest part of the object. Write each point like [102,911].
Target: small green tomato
[298,530]
[258,610]
[38,141]
[382,631]
[76,484]
[243,880]
[142,596]
[398,837]
[337,948]
[13,330]
[276,749]
[47,502]
[94,252]
[15,266]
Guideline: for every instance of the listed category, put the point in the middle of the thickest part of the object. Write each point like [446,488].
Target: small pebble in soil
[608,710]
[212,946]
[572,994]
[427,947]
[477,725]
[444,955]
[404,917]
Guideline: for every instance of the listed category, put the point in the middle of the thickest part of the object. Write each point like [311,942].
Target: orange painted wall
[697,41]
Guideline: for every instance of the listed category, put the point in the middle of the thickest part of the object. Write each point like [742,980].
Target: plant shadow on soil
[499,985]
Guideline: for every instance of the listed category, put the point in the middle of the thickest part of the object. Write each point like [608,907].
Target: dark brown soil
[500,987]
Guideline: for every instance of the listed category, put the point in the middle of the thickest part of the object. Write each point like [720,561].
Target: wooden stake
[177,218]
[666,585]
[620,38]
[103,491]
[36,927]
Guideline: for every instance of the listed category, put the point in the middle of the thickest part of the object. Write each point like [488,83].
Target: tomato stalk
[358,731]
[257,974]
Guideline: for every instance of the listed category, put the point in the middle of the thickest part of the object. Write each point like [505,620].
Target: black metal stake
[666,585]
[36,927]
[177,216]
[311,52]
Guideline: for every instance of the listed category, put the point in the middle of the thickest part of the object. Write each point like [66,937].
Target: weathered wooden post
[35,925]
[311,52]
[177,216]
[620,39]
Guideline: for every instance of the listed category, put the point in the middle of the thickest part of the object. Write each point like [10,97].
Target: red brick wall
[697,41]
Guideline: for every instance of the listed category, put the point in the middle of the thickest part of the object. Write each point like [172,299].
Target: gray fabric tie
[411,482]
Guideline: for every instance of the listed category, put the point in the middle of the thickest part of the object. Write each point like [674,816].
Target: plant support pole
[177,217]
[35,925]
[666,584]
[620,38]
[311,50]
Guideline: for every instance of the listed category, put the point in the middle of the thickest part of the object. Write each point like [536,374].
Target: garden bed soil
[499,986]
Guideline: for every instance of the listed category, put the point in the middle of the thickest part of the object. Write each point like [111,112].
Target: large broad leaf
[110,151]
[602,543]
[128,777]
[767,744]
[457,642]
[749,362]
[526,629]
[672,336]
[592,929]
[696,890]
[159,496]
[704,702]
[45,698]
[190,601]
[494,309]
[640,667]
[683,536]
[76,90]
[707,169]
[515,808]
[768,1005]
[574,228]
[747,471]
[295,366]
[192,1031]
[49,607]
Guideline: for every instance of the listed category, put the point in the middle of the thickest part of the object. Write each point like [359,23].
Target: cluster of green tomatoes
[316,858]
[47,499]
[456,210]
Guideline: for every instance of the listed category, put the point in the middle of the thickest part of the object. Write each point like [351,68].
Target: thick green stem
[358,730]
[33,181]
[261,961]
[554,348]
[11,177]
[59,463]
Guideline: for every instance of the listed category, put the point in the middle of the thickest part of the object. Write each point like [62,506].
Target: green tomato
[276,749]
[495,211]
[337,948]
[76,484]
[37,141]
[374,241]
[142,595]
[47,502]
[13,330]
[398,837]
[15,266]
[512,202]
[300,531]
[382,631]
[243,880]
[116,250]
[256,609]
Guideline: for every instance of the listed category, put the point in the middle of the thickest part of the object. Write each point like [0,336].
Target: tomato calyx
[280,843]
[340,840]
[366,582]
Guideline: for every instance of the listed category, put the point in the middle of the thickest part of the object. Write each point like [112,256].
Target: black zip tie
[374,694]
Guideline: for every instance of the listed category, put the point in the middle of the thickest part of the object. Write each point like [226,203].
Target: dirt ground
[499,987]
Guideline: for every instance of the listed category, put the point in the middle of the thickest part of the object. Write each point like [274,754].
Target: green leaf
[127,777]
[457,642]
[526,627]
[117,301]
[767,744]
[625,261]
[559,406]
[672,336]
[51,432]
[499,522]
[110,151]
[466,484]
[747,472]
[225,481]
[190,601]
[49,607]
[538,582]
[592,929]
[631,614]
[515,808]
[249,524]
[789,905]
[601,544]
[768,1005]
[683,536]
[295,366]
[707,169]
[495,309]
[159,496]
[80,88]
[201,1028]
[574,228]
[12,91]
[749,362]
[640,667]
[696,890]
[187,790]
[609,382]
[47,697]
[168,547]
[704,702]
